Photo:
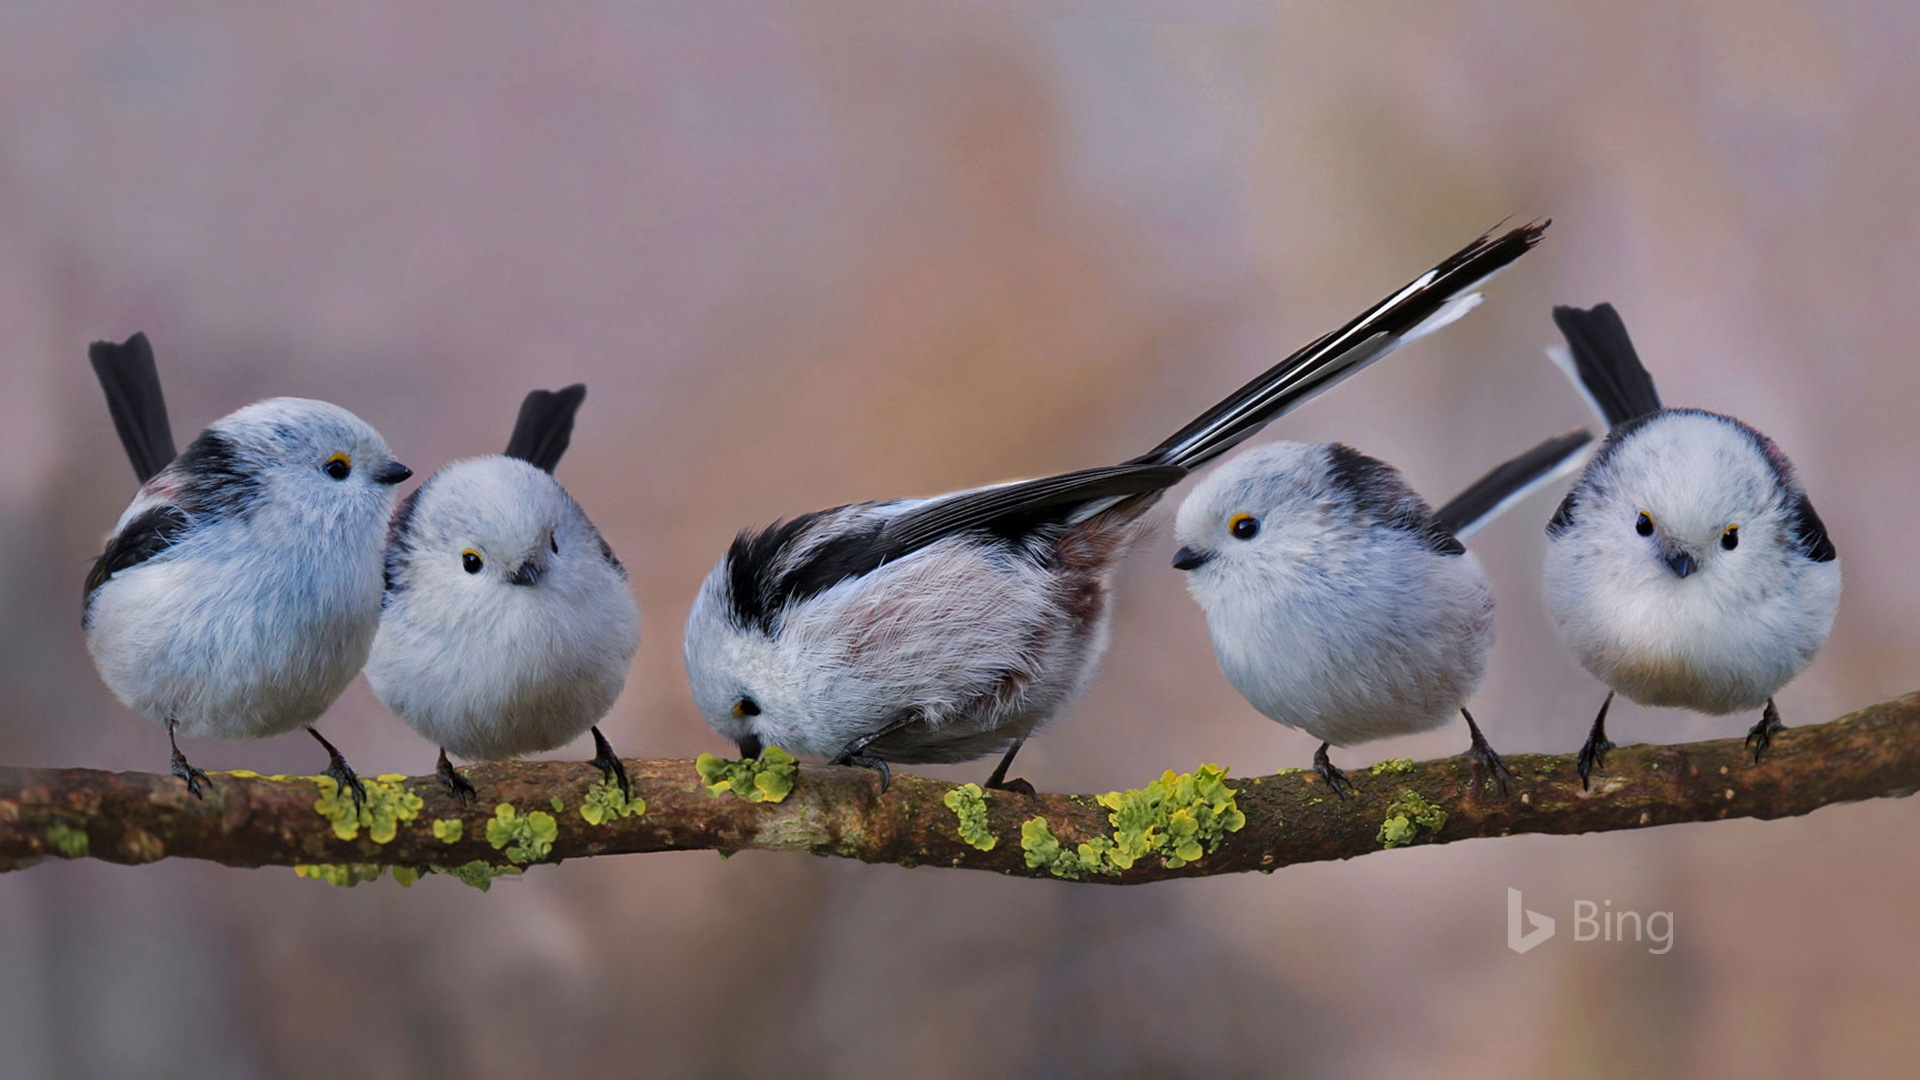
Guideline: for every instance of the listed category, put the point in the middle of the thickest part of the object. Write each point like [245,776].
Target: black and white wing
[791,561]
[207,481]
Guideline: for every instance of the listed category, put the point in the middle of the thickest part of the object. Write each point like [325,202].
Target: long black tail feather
[131,384]
[1509,482]
[1399,318]
[544,428]
[1605,366]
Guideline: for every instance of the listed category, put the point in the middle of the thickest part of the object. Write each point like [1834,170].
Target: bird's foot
[342,772]
[1490,765]
[1594,751]
[1593,754]
[1760,736]
[867,761]
[1331,773]
[1015,786]
[457,786]
[609,763]
[185,770]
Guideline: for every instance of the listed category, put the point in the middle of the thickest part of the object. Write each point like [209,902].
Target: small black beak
[528,574]
[1188,559]
[749,745]
[394,473]
[1681,563]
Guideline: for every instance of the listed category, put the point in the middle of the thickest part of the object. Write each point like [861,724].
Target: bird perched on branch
[240,591]
[948,628]
[1687,566]
[1339,603]
[509,625]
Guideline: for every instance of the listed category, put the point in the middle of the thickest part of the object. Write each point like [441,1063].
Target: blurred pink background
[810,253]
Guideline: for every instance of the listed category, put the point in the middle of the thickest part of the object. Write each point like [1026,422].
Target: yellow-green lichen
[1180,817]
[768,779]
[478,873]
[606,802]
[1043,851]
[524,837]
[341,875]
[1393,766]
[969,804]
[407,875]
[559,805]
[449,830]
[66,841]
[1408,815]
[388,806]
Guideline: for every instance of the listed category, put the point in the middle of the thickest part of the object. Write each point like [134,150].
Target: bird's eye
[746,706]
[553,541]
[1730,538]
[1243,526]
[471,562]
[1643,524]
[339,466]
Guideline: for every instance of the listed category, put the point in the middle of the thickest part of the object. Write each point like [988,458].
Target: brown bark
[1290,818]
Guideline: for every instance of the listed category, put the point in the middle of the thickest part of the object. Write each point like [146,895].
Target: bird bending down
[947,628]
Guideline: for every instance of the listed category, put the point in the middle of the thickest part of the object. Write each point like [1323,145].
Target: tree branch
[1290,818]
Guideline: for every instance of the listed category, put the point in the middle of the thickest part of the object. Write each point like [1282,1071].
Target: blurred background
[810,253]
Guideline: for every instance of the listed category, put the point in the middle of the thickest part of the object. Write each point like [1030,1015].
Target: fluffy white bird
[948,628]
[240,591]
[509,625]
[1687,566]
[1339,603]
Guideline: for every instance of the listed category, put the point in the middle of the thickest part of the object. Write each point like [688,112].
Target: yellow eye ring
[1730,537]
[339,466]
[1643,524]
[471,562]
[1243,526]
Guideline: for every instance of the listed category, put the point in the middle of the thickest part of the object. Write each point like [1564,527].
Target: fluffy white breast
[1729,634]
[522,654]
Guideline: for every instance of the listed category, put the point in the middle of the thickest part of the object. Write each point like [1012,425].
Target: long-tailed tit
[1338,601]
[947,628]
[240,591]
[509,626]
[1687,566]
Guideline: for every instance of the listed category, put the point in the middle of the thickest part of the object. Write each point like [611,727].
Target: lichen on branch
[1182,825]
